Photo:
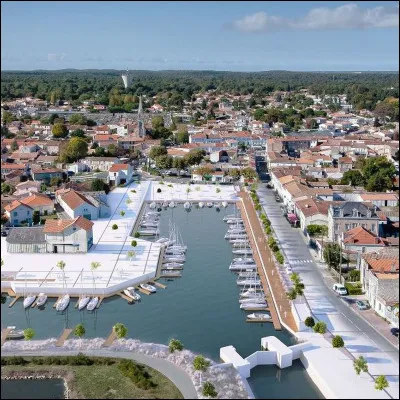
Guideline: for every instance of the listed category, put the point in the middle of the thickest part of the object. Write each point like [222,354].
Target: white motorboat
[130,292]
[230,216]
[176,252]
[171,258]
[251,292]
[15,333]
[83,302]
[28,301]
[243,260]
[171,204]
[150,225]
[165,204]
[174,274]
[155,213]
[177,267]
[162,240]
[259,316]
[187,206]
[149,288]
[236,230]
[257,299]
[201,204]
[231,241]
[246,252]
[180,247]
[246,274]
[224,204]
[172,265]
[240,244]
[149,232]
[252,306]
[153,205]
[242,267]
[248,282]
[92,304]
[63,303]
[217,205]
[209,204]
[42,298]
[233,220]
[233,236]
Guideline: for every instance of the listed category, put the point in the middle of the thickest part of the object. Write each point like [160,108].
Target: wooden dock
[178,274]
[63,337]
[110,340]
[101,298]
[143,290]
[127,298]
[14,301]
[258,320]
[158,284]
[4,334]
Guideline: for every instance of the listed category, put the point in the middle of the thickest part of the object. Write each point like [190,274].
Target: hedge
[354,289]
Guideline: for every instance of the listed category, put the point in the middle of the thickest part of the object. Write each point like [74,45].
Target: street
[360,338]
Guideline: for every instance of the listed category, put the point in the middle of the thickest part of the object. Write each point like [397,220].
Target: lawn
[104,382]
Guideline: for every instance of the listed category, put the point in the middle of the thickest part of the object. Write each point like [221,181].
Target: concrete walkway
[175,374]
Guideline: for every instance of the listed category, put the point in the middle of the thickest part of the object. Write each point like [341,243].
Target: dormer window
[355,212]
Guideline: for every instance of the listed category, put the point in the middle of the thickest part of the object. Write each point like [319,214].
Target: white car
[339,288]
[289,269]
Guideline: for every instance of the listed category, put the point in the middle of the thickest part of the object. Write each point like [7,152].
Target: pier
[63,337]
[125,297]
[275,293]
[4,334]
[14,301]
[110,340]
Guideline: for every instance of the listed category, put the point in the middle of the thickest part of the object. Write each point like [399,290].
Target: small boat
[178,259]
[172,265]
[180,247]
[149,232]
[224,204]
[171,204]
[187,205]
[248,282]
[153,205]
[260,316]
[165,204]
[233,236]
[162,240]
[175,274]
[83,302]
[243,260]
[246,274]
[150,225]
[229,216]
[175,252]
[15,333]
[42,298]
[247,252]
[209,204]
[63,303]
[155,213]
[217,205]
[240,244]
[130,292]
[149,288]
[242,267]
[28,301]
[177,267]
[201,204]
[251,306]
[92,304]
[235,221]
[251,292]
[257,298]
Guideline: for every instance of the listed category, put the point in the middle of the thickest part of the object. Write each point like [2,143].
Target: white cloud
[349,16]
[56,56]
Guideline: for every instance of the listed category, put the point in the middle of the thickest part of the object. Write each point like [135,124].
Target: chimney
[393,267]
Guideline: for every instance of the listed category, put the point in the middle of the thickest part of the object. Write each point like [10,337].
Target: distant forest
[363,90]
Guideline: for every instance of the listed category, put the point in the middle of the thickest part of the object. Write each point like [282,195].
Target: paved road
[360,338]
[174,373]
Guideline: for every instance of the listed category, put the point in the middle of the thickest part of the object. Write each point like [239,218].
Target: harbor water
[201,308]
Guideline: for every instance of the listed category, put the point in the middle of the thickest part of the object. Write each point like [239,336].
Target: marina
[204,272]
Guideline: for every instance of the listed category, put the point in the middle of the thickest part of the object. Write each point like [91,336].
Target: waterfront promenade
[269,274]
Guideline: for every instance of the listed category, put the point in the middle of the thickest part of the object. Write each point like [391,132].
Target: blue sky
[234,36]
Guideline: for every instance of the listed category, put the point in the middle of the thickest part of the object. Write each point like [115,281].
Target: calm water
[32,389]
[201,309]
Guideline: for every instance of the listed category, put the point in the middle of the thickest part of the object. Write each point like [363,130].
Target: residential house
[18,213]
[100,163]
[68,235]
[379,274]
[349,215]
[311,212]
[23,189]
[120,174]
[46,174]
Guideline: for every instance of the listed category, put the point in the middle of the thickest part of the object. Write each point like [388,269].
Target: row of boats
[88,302]
[188,205]
[251,297]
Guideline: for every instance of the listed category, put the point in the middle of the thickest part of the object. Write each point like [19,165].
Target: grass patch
[104,381]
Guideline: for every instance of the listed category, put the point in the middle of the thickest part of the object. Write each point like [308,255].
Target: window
[15,213]
[373,227]
[347,227]
[354,225]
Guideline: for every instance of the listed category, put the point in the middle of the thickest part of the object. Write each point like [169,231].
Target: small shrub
[381,382]
[137,235]
[309,322]
[279,257]
[13,360]
[209,390]
[353,288]
[158,190]
[114,227]
[337,341]
[175,344]
[320,327]
[133,191]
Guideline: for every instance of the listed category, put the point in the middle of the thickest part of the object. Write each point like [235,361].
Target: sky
[213,35]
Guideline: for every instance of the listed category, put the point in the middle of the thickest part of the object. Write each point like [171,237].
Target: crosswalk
[300,261]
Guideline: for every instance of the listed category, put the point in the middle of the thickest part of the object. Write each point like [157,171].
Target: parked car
[269,186]
[395,332]
[3,233]
[339,288]
[361,305]
[289,269]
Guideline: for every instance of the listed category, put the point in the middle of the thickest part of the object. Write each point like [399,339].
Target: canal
[200,309]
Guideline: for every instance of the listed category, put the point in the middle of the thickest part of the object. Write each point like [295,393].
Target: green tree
[248,173]
[353,177]
[157,122]
[29,333]
[209,390]
[76,149]
[331,255]
[77,119]
[130,254]
[36,217]
[133,243]
[5,188]
[379,182]
[60,131]
[291,294]
[97,185]
[381,382]
[164,162]
[179,163]
[114,227]
[78,133]
[378,172]
[337,341]
[194,157]
[120,330]
[360,364]
[309,322]
[14,145]
[61,265]
[175,344]
[157,151]
[182,137]
[79,331]
[259,114]
[320,327]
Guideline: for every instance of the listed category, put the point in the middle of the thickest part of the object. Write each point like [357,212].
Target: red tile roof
[59,225]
